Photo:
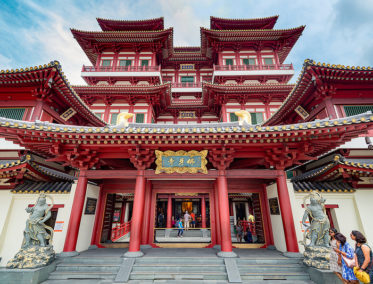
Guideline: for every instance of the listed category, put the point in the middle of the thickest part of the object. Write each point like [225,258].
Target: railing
[253,67]
[186,85]
[250,225]
[121,68]
[120,231]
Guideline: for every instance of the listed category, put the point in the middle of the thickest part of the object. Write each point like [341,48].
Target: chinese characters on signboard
[181,162]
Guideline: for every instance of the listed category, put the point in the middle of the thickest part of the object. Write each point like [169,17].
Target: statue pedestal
[32,257]
[29,276]
[317,257]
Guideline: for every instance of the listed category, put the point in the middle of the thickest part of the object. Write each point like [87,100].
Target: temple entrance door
[108,217]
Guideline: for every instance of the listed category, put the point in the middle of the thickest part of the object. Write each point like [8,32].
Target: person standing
[345,249]
[186,220]
[334,257]
[193,217]
[364,255]
[180,227]
[239,232]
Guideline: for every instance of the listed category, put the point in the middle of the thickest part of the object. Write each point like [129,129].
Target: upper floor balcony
[121,71]
[255,70]
[186,87]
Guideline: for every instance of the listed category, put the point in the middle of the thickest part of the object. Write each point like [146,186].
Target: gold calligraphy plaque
[181,162]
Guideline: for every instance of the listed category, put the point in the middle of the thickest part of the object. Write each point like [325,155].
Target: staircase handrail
[120,230]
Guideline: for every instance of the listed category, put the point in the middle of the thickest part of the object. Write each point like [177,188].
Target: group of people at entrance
[189,221]
[244,230]
[351,264]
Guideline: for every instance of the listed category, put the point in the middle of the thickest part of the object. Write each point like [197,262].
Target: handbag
[350,262]
[361,275]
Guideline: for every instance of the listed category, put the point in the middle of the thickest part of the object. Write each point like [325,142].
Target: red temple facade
[160,130]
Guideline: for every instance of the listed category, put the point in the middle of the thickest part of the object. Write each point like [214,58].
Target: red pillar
[76,213]
[286,214]
[145,223]
[330,108]
[267,216]
[226,241]
[36,114]
[203,209]
[169,212]
[218,231]
[137,216]
[123,211]
[99,211]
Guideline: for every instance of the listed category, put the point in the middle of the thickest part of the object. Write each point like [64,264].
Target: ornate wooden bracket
[141,158]
[221,158]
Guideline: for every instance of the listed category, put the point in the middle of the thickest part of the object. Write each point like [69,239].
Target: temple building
[215,130]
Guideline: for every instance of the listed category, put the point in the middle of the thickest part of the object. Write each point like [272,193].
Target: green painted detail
[140,117]
[268,61]
[228,61]
[125,62]
[354,110]
[114,118]
[187,79]
[233,117]
[99,115]
[249,61]
[153,121]
[106,62]
[256,117]
[144,62]
[289,174]
[12,113]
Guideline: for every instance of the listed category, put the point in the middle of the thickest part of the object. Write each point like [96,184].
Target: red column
[123,211]
[76,213]
[137,216]
[99,212]
[226,241]
[267,216]
[169,211]
[145,223]
[203,209]
[36,114]
[218,231]
[286,214]
[330,108]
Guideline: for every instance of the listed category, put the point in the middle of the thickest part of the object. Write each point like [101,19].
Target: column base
[293,254]
[270,247]
[93,247]
[133,254]
[68,254]
[226,254]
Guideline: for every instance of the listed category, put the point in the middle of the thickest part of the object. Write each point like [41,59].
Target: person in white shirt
[186,220]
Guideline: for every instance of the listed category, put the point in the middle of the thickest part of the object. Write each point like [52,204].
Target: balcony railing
[186,85]
[120,231]
[121,68]
[253,67]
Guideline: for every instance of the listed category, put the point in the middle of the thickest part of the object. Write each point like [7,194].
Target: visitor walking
[239,232]
[335,260]
[180,227]
[364,255]
[186,220]
[345,250]
[193,217]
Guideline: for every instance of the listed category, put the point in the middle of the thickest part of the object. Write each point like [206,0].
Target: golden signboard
[68,114]
[181,162]
[302,112]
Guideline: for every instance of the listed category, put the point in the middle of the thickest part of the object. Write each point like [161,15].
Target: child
[180,229]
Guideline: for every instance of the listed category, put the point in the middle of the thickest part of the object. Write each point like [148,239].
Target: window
[140,117]
[125,62]
[249,61]
[268,61]
[233,117]
[228,61]
[12,113]
[144,62]
[354,110]
[187,79]
[114,118]
[99,115]
[256,117]
[106,62]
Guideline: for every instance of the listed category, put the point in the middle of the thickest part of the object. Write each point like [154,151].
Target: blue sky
[36,32]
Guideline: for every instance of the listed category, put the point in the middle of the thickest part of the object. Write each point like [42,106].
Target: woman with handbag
[348,259]
[335,261]
[363,257]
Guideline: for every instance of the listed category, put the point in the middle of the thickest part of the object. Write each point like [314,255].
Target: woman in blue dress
[346,250]
[364,255]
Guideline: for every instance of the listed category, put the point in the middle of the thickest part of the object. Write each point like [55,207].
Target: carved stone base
[131,254]
[32,257]
[317,257]
[226,254]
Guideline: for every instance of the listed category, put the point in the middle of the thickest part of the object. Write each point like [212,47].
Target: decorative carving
[37,250]
[181,162]
[141,158]
[221,158]
[123,117]
[244,117]
[317,252]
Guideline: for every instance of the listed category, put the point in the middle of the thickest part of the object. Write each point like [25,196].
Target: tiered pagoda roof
[131,25]
[49,82]
[314,84]
[242,24]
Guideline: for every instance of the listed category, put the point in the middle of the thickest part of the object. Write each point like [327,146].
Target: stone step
[179,268]
[81,275]
[179,260]
[91,260]
[74,267]
[267,268]
[263,261]
[178,276]
[275,276]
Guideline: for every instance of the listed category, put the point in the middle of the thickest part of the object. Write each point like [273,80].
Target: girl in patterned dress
[346,250]
[364,255]
[333,263]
